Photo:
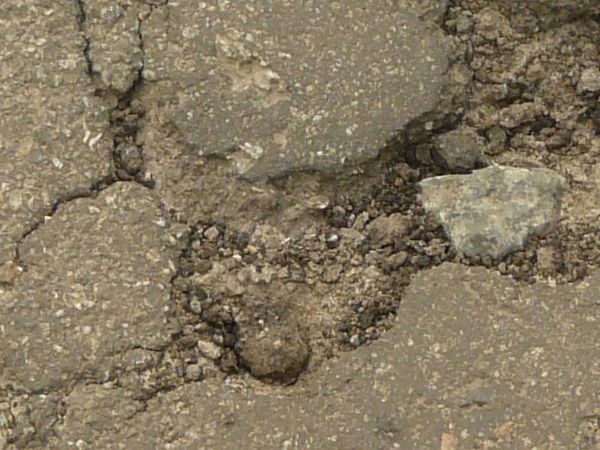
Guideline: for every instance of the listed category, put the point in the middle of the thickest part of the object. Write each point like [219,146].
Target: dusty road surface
[286,224]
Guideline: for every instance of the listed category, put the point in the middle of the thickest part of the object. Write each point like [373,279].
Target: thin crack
[127,158]
[91,192]
[82,23]
[126,118]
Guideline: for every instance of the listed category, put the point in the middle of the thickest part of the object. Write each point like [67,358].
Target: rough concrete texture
[493,211]
[486,364]
[95,289]
[281,86]
[54,139]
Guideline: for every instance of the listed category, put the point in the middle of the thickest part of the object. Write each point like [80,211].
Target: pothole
[276,300]
[327,260]
[330,277]
[321,266]
[277,278]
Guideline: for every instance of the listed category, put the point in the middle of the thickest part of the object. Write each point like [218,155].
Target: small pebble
[193,372]
[333,241]
[195,306]
[212,234]
[209,350]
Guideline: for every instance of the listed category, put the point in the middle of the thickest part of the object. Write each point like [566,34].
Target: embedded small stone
[396,260]
[212,234]
[195,306]
[333,241]
[130,159]
[317,202]
[590,80]
[385,229]
[209,349]
[193,372]
[547,259]
[338,217]
[9,272]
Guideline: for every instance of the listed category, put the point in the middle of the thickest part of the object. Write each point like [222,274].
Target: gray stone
[287,85]
[485,364]
[96,287]
[493,211]
[460,149]
[54,141]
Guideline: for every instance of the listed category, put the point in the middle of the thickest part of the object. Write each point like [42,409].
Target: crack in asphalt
[124,102]
[126,133]
[81,18]
[96,187]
